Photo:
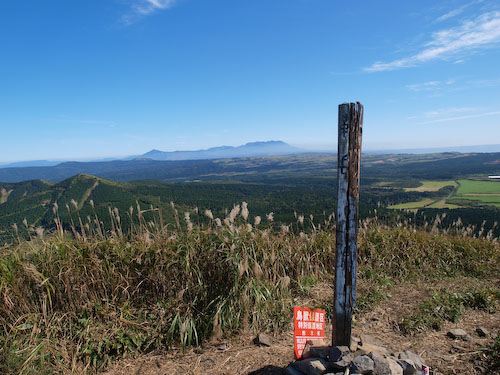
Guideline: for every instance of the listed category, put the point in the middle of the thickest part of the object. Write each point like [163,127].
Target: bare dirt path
[240,356]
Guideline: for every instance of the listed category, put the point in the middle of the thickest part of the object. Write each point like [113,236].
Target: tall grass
[73,303]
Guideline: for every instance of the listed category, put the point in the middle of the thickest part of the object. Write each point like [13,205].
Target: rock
[482,332]
[344,349]
[408,366]
[314,343]
[340,365]
[382,366]
[396,369]
[364,364]
[415,358]
[354,344]
[289,370]
[334,354]
[369,348]
[456,333]
[311,366]
[262,340]
[316,352]
[369,339]
[224,346]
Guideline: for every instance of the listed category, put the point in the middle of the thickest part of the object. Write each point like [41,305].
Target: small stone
[311,366]
[289,370]
[364,364]
[456,333]
[369,339]
[415,358]
[382,366]
[408,366]
[354,345]
[371,348]
[262,340]
[482,332]
[224,346]
[396,369]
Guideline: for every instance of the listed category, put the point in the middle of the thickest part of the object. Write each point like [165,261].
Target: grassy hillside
[29,206]
[76,305]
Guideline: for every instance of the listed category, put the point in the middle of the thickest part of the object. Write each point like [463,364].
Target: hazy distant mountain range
[268,148]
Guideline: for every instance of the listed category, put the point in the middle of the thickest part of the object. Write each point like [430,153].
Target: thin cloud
[449,111]
[470,36]
[149,6]
[142,8]
[457,11]
[456,118]
[430,85]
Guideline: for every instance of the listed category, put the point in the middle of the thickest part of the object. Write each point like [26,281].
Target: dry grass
[74,304]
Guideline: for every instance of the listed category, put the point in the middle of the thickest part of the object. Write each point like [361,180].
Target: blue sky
[99,78]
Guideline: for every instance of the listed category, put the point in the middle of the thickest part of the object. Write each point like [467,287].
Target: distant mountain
[268,148]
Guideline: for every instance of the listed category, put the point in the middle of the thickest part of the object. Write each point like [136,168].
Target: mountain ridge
[259,148]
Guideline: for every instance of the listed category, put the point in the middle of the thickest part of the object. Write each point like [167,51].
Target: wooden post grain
[349,157]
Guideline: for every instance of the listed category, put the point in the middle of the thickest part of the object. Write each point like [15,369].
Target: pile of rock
[364,356]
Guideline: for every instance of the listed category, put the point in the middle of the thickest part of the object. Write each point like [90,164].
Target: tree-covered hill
[263,169]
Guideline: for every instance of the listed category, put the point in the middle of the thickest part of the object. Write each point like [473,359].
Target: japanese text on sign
[309,325]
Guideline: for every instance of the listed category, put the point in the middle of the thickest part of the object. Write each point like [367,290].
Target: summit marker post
[349,158]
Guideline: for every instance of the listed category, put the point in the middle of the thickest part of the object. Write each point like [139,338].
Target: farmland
[432,185]
[484,192]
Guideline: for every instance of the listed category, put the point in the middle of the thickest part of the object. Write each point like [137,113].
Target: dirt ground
[239,355]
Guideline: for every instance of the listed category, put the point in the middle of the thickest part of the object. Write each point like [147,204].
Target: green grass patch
[445,306]
[493,353]
[478,187]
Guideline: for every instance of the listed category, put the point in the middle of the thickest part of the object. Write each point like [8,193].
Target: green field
[478,187]
[432,185]
[487,192]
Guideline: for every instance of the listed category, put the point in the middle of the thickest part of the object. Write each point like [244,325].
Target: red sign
[308,326]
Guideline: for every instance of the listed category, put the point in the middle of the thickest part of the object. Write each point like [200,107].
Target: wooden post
[349,157]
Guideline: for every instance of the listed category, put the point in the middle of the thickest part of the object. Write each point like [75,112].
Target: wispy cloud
[471,36]
[457,11]
[430,85]
[449,111]
[141,8]
[456,118]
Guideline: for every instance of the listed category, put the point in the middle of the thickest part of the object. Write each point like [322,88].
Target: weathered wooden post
[349,157]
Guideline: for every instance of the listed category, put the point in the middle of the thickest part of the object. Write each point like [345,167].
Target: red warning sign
[308,326]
